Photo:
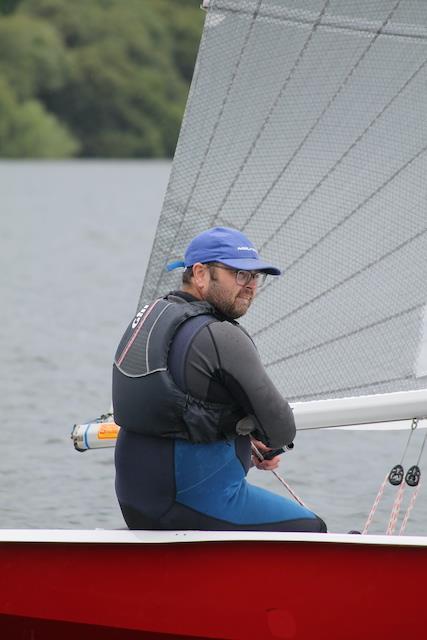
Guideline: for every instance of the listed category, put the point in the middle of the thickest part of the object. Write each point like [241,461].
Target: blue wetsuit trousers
[173,484]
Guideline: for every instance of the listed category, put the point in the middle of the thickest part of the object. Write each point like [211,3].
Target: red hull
[248,590]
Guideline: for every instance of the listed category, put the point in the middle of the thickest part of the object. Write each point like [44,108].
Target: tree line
[95,78]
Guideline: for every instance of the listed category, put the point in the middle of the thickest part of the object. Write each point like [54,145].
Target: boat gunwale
[128,537]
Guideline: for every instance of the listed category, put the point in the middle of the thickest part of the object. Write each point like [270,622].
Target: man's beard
[232,306]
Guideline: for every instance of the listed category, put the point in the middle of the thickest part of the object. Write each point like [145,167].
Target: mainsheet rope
[278,476]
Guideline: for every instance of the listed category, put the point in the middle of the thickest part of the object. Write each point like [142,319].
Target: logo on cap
[247,249]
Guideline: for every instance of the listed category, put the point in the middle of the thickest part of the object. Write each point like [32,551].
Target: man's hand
[265,465]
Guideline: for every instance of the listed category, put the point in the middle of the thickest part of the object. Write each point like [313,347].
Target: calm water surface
[76,238]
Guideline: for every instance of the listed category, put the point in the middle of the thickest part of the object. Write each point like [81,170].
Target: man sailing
[190,394]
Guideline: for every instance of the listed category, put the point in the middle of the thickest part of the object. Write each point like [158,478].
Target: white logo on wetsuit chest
[139,316]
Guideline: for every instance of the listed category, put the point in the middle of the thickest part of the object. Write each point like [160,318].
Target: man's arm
[242,373]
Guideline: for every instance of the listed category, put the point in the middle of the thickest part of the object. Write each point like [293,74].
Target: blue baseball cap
[225,245]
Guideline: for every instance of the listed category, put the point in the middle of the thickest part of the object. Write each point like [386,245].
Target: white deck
[104,536]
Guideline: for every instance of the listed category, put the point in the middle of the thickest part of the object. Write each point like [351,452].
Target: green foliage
[32,56]
[115,72]
[28,131]
[114,108]
[185,28]
[8,6]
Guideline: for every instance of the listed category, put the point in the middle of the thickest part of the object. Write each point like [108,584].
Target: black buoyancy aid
[146,399]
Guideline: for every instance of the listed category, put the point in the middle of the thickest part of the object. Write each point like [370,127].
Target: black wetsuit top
[166,483]
[220,363]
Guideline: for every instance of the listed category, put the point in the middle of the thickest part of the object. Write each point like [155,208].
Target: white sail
[306,129]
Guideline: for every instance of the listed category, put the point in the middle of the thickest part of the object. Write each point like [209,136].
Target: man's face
[226,295]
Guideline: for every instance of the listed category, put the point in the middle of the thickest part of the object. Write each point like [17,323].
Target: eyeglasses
[244,277]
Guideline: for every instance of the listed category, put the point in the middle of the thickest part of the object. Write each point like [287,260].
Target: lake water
[76,238]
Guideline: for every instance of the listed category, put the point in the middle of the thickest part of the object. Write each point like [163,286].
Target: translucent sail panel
[306,128]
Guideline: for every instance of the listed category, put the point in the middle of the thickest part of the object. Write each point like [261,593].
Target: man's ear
[201,277]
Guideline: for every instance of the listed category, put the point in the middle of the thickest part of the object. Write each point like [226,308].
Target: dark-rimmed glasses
[243,277]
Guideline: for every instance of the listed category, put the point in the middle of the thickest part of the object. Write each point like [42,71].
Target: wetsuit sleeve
[242,373]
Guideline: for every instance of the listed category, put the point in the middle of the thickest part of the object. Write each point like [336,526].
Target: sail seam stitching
[216,124]
[320,345]
[328,392]
[308,134]
[359,207]
[337,285]
[272,109]
[325,24]
[347,217]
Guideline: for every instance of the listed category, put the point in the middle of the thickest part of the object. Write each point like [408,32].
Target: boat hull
[285,586]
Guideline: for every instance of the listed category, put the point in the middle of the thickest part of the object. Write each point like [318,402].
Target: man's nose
[252,283]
